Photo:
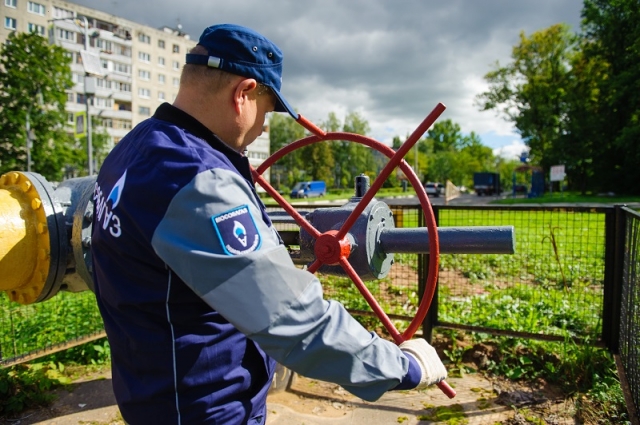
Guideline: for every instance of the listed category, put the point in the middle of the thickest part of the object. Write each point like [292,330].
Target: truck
[309,189]
[486,184]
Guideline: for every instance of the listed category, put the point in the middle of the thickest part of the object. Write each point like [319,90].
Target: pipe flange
[36,251]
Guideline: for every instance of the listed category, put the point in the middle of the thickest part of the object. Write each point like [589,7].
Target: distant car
[434,189]
[309,189]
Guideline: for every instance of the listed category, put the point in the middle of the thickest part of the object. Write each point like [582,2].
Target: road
[464,199]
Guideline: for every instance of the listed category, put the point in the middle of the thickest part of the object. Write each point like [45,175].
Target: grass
[552,285]
[569,197]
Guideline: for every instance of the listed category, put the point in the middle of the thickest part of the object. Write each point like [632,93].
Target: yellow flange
[25,248]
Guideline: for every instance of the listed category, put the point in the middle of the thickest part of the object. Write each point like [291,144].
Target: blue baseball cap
[242,51]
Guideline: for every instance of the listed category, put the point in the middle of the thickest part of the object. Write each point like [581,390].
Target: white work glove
[433,371]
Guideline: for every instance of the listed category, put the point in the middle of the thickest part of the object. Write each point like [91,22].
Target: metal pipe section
[32,248]
[453,240]
[45,236]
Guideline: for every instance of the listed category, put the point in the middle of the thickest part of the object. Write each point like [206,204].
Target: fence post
[431,319]
[615,225]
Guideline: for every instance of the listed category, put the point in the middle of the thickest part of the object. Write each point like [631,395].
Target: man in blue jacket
[199,296]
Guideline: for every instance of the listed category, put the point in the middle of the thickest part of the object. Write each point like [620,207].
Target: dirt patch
[90,400]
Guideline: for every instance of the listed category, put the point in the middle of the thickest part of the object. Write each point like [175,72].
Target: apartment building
[139,65]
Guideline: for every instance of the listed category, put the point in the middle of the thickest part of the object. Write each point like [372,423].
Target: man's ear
[244,89]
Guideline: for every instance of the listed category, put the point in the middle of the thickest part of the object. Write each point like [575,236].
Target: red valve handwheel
[332,247]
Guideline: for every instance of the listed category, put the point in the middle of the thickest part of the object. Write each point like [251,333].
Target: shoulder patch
[237,231]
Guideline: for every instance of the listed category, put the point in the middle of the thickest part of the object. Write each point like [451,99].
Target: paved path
[306,402]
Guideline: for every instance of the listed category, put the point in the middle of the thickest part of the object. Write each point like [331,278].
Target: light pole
[87,81]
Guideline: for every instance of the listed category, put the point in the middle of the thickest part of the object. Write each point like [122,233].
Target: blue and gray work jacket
[198,294]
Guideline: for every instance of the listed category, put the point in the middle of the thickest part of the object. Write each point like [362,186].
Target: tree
[350,159]
[34,77]
[531,91]
[612,42]
[99,142]
[448,154]
[446,136]
[284,130]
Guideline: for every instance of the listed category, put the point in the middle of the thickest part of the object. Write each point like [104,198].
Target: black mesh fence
[551,288]
[31,331]
[628,358]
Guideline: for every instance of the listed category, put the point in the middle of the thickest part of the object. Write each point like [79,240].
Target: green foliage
[604,400]
[612,60]
[67,316]
[25,386]
[573,96]
[445,154]
[32,70]
[91,353]
[284,130]
[531,90]
[450,415]
[335,162]
[99,143]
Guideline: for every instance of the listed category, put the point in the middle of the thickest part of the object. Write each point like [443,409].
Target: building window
[11,3]
[160,61]
[36,8]
[104,45]
[161,78]
[123,87]
[122,68]
[144,57]
[161,44]
[38,29]
[70,119]
[146,93]
[143,110]
[10,23]
[161,95]
[103,83]
[176,48]
[80,98]
[123,50]
[66,35]
[176,82]
[176,65]
[124,106]
[102,102]
[144,38]
[58,12]
[144,74]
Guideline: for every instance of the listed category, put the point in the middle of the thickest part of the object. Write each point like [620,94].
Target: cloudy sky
[390,61]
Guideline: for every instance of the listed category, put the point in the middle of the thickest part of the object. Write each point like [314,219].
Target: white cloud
[390,61]
[511,151]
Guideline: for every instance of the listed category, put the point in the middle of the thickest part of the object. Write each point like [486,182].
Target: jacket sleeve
[263,294]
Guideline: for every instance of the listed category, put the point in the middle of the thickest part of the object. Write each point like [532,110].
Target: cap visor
[283,106]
